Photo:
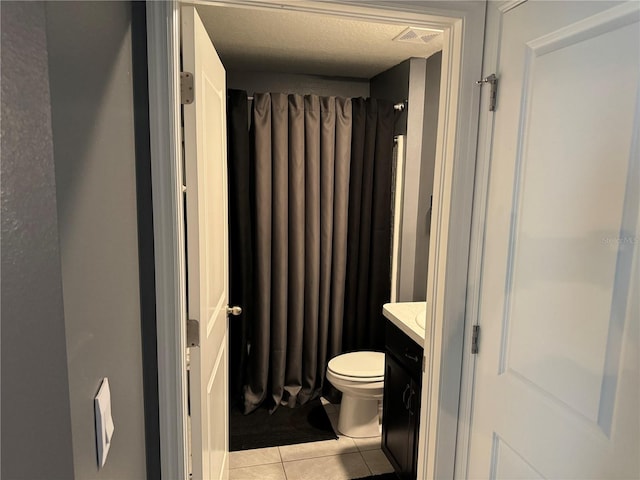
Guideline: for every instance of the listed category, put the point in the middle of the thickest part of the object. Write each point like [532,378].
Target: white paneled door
[556,392]
[207,266]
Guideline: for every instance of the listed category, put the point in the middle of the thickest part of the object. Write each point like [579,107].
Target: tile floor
[342,459]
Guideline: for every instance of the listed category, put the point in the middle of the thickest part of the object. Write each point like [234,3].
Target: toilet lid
[358,364]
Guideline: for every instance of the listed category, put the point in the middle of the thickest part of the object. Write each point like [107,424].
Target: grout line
[334,454]
[365,462]
[367,449]
[258,465]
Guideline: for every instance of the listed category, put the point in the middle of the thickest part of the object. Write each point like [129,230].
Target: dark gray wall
[427,166]
[393,84]
[259,82]
[36,425]
[418,80]
[90,63]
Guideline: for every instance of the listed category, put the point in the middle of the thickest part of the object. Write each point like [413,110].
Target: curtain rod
[398,106]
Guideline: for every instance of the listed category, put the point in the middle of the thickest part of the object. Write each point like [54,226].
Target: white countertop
[403,316]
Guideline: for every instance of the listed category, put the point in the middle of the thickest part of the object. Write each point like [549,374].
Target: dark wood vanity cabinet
[401,403]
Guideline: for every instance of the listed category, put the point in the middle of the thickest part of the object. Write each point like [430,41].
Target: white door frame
[463,25]
[163,49]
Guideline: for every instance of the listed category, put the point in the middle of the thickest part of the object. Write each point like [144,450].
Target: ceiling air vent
[417,35]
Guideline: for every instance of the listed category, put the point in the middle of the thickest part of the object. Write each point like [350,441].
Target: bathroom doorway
[446,183]
[320,294]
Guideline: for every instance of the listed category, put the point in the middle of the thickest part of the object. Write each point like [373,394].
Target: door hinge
[424,363]
[474,339]
[186,88]
[493,81]
[193,333]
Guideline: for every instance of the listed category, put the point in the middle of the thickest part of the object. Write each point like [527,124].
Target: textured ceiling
[296,42]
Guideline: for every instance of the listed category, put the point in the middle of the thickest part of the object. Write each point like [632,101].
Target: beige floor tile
[337,467]
[257,456]
[377,462]
[317,449]
[371,443]
[273,471]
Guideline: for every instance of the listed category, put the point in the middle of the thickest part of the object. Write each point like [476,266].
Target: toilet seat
[358,366]
[348,378]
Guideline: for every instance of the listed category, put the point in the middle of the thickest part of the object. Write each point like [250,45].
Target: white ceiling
[296,42]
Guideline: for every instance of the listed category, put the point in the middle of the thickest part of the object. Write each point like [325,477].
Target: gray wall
[427,167]
[412,166]
[93,131]
[418,81]
[36,423]
[260,82]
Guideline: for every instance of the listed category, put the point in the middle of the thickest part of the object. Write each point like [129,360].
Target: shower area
[330,171]
[317,183]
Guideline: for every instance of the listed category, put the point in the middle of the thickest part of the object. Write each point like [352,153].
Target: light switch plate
[104,421]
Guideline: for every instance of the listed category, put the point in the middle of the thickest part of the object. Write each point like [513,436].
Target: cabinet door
[396,417]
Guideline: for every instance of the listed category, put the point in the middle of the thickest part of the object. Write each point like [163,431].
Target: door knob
[235,311]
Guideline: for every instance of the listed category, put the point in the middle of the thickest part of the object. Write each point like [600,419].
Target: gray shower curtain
[368,284]
[301,170]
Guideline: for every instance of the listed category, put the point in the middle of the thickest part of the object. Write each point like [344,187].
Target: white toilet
[360,378]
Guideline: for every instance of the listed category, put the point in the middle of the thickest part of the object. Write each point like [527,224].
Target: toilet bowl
[360,378]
